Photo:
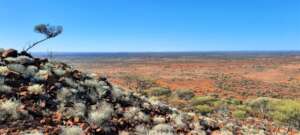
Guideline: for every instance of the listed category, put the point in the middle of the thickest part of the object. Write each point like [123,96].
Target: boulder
[10,53]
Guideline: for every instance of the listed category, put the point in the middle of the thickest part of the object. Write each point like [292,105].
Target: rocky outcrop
[39,96]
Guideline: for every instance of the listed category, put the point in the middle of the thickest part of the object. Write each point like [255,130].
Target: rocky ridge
[38,96]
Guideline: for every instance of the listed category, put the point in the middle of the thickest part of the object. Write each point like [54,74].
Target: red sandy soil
[242,78]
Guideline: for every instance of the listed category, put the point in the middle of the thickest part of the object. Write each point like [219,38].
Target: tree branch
[34,44]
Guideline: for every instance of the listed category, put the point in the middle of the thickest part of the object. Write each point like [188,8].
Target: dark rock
[38,61]
[102,78]
[24,53]
[10,53]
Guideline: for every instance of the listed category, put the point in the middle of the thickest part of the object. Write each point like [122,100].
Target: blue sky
[153,25]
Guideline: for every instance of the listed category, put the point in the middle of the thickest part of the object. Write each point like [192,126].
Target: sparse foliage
[48,30]
[138,83]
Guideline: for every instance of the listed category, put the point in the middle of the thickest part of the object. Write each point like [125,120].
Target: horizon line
[165,51]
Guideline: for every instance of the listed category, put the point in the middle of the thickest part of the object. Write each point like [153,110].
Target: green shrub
[185,94]
[243,108]
[218,103]
[261,104]
[240,114]
[233,101]
[286,111]
[159,91]
[281,110]
[201,100]
[203,109]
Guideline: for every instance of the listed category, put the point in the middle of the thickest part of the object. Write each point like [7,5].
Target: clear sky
[153,25]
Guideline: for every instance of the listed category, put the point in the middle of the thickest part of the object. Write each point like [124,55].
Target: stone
[25,60]
[24,53]
[10,53]
[1,51]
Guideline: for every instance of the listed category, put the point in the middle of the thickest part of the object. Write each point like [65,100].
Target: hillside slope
[38,96]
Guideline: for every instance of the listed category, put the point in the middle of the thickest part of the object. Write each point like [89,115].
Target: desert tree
[48,30]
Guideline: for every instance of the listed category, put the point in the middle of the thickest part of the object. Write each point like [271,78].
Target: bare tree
[47,30]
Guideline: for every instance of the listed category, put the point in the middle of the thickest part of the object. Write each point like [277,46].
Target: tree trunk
[34,44]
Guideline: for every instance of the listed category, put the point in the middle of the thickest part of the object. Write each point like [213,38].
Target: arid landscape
[262,86]
[148,94]
[150,67]
[241,78]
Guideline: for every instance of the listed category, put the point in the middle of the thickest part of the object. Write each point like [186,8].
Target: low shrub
[74,130]
[42,75]
[201,100]
[131,113]
[286,111]
[159,91]
[203,109]
[179,121]
[261,104]
[283,111]
[240,114]
[185,94]
[77,111]
[9,109]
[36,89]
[162,129]
[159,119]
[178,103]
[4,70]
[64,94]
[233,101]
[35,132]
[100,116]
[141,130]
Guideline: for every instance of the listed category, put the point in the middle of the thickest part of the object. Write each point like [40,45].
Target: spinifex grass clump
[9,110]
